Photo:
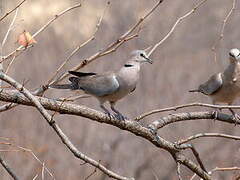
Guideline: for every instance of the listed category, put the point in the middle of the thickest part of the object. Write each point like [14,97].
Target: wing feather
[212,85]
[99,85]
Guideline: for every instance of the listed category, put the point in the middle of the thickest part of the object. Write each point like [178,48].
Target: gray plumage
[109,86]
[224,87]
[211,86]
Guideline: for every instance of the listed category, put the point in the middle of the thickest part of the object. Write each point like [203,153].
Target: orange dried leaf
[26,39]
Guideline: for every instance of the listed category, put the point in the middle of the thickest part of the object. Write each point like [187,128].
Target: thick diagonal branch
[35,102]
[130,126]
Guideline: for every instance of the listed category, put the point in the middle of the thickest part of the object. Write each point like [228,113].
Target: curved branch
[35,102]
[114,45]
[175,108]
[4,16]
[155,125]
[175,25]
[130,126]
[91,38]
[196,136]
[224,23]
[20,49]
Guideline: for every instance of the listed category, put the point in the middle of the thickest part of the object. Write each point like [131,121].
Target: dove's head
[234,55]
[140,56]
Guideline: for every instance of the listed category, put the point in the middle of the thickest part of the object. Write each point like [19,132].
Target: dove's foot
[236,117]
[121,117]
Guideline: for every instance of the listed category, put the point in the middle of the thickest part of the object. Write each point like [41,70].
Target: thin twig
[21,48]
[58,130]
[4,41]
[113,46]
[92,173]
[179,171]
[130,126]
[43,167]
[4,16]
[175,108]
[81,45]
[74,98]
[35,157]
[9,29]
[94,57]
[190,116]
[175,25]
[23,149]
[216,43]
[194,151]
[219,169]
[224,169]
[35,177]
[7,106]
[8,169]
[208,135]
[10,64]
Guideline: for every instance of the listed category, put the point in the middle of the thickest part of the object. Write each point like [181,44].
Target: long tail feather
[194,90]
[81,74]
[62,86]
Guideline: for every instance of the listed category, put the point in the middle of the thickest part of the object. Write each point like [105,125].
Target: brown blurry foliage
[186,58]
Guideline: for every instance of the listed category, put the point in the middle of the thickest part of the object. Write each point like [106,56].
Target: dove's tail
[194,90]
[73,86]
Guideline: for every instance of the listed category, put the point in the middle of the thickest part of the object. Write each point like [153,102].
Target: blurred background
[181,63]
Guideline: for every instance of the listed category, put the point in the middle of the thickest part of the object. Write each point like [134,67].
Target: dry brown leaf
[25,39]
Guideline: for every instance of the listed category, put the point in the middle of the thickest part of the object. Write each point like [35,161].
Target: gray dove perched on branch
[109,86]
[224,87]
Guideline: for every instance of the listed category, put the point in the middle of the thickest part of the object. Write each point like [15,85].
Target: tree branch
[174,26]
[175,108]
[20,49]
[189,116]
[80,46]
[216,43]
[113,46]
[4,16]
[8,169]
[196,136]
[130,126]
[35,102]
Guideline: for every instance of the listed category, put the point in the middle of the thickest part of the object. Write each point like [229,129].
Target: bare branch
[8,169]
[175,25]
[74,98]
[35,157]
[92,173]
[8,106]
[224,169]
[81,45]
[8,31]
[208,135]
[216,43]
[175,108]
[194,151]
[113,46]
[190,116]
[4,16]
[20,49]
[131,126]
[35,101]
[141,20]
[35,177]
[179,171]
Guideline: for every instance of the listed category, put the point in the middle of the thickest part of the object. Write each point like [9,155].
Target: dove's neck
[232,70]
[129,73]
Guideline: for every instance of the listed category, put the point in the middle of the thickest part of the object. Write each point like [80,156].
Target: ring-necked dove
[109,86]
[224,87]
